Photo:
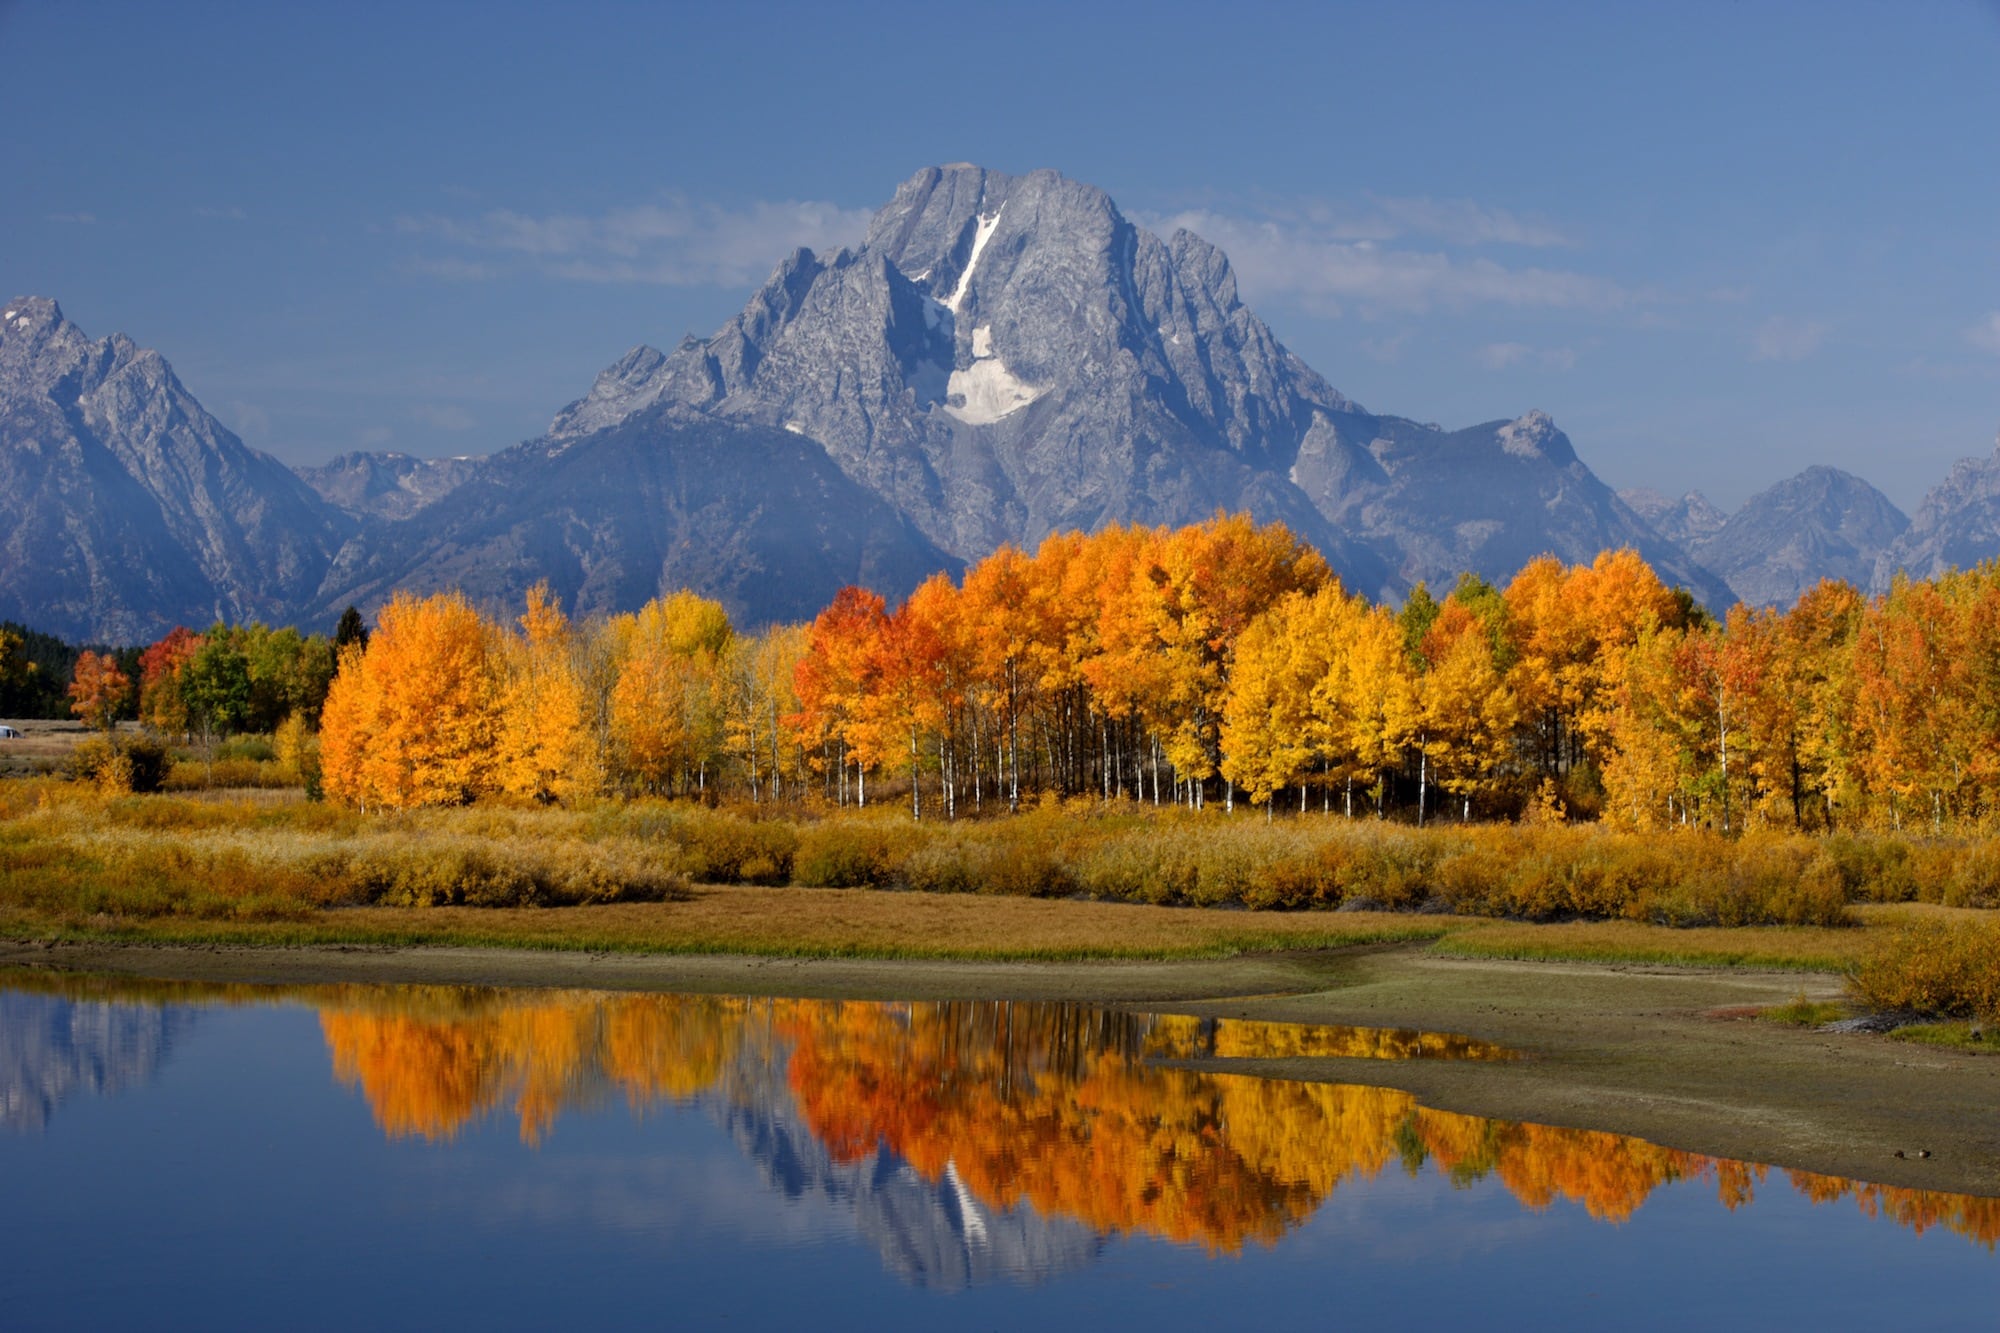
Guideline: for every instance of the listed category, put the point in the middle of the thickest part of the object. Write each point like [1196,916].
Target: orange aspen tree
[1002,605]
[1909,719]
[833,681]
[162,706]
[1572,629]
[411,720]
[906,664]
[1207,583]
[98,689]
[936,610]
[1127,673]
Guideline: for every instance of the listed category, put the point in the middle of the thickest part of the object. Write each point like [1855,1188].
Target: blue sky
[1718,242]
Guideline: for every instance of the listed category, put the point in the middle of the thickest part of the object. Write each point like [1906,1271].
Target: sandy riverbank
[1629,1049]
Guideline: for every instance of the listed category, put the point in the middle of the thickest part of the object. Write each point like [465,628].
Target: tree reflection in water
[1062,1108]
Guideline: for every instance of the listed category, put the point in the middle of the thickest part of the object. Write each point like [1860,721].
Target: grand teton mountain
[999,358]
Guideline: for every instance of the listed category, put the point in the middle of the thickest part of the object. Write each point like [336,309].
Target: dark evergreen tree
[351,629]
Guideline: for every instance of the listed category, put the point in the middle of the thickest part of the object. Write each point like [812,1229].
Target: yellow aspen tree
[547,752]
[1381,715]
[668,706]
[1267,741]
[1469,712]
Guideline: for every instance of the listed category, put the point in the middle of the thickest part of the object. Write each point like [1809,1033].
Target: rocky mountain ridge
[387,485]
[1007,356]
[1956,527]
[1820,524]
[126,508]
[999,358]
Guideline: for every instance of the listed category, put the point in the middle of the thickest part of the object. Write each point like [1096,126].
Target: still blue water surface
[416,1157]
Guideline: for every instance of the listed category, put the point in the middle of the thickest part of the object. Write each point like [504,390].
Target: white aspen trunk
[1013,739]
[1722,721]
[1423,778]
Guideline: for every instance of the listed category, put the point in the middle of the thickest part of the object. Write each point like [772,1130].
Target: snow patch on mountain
[987,226]
[986,392]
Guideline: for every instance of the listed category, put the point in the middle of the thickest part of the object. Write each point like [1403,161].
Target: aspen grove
[1212,664]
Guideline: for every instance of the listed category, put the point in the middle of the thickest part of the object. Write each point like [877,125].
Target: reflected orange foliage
[1051,1106]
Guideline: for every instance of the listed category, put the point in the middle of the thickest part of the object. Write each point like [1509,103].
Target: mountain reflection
[976,1138]
[53,1048]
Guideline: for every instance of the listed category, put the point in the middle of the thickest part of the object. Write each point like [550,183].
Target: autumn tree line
[1215,663]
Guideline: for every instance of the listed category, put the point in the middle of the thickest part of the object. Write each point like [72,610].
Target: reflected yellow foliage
[429,1073]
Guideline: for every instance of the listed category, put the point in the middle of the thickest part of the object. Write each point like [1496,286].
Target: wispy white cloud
[1319,264]
[1501,356]
[1985,335]
[1782,338]
[444,416]
[676,242]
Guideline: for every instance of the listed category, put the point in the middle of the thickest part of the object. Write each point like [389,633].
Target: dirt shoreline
[1627,1049]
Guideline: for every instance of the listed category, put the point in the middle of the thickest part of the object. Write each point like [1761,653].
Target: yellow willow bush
[711,846]
[1188,858]
[69,855]
[1950,969]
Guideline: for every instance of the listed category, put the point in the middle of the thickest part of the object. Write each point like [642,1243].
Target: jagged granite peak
[387,485]
[999,358]
[125,507]
[1821,524]
[1690,518]
[1956,527]
[1007,356]
[669,498]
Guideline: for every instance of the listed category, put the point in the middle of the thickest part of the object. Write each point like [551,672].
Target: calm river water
[383,1157]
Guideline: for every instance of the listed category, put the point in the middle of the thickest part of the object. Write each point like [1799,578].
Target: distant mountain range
[1000,358]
